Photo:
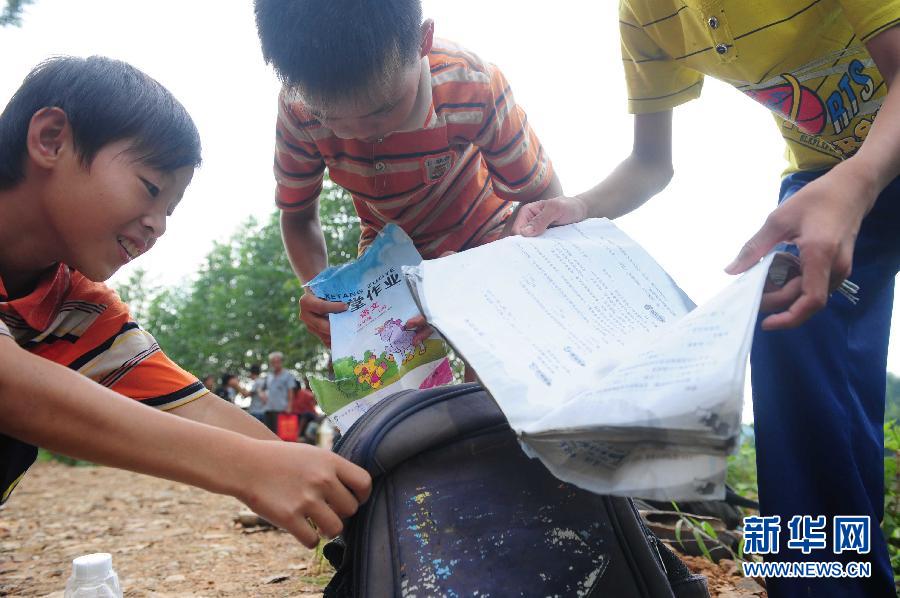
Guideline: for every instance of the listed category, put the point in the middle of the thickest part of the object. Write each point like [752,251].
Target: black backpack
[458,509]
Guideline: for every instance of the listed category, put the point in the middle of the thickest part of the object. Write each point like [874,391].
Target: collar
[422,109]
[40,306]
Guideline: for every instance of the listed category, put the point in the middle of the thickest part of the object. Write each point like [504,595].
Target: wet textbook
[372,355]
[605,369]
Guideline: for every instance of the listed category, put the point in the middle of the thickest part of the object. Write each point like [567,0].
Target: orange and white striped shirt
[84,326]
[449,183]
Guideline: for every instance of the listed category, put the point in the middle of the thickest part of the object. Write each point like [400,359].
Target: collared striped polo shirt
[805,60]
[448,182]
[84,326]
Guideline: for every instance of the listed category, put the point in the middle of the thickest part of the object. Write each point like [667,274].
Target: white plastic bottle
[93,577]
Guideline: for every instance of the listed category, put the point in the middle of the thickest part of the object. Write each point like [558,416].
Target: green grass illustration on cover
[373,356]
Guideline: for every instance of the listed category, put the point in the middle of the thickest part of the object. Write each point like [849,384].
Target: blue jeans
[818,405]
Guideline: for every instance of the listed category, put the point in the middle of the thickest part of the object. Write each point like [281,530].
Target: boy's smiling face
[115,210]
[105,214]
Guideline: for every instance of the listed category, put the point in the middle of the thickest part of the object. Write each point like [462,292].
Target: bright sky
[564,68]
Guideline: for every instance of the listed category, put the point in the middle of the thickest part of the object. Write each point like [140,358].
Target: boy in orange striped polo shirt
[94,157]
[420,131]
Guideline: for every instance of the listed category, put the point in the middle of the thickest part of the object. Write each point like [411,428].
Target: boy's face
[373,115]
[107,214]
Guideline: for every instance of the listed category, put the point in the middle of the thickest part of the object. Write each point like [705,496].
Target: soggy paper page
[661,424]
[542,318]
[690,378]
[588,347]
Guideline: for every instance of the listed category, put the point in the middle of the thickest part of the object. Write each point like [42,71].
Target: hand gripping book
[372,355]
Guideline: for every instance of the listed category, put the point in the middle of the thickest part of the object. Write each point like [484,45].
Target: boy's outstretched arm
[48,405]
[215,411]
[639,177]
[823,218]
[305,245]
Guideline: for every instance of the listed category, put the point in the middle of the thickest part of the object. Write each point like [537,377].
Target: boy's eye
[152,189]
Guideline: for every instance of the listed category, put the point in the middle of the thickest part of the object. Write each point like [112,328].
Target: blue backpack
[458,509]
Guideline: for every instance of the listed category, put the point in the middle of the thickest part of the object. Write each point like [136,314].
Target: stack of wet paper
[604,367]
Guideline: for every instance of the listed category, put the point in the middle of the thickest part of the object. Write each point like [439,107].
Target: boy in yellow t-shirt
[825,68]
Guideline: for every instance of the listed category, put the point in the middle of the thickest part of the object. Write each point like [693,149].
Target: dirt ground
[170,540]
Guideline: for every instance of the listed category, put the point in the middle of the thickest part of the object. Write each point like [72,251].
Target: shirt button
[713,23]
[379,166]
[721,48]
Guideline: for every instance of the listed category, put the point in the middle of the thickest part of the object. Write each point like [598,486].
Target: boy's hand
[295,485]
[314,313]
[532,219]
[421,328]
[822,220]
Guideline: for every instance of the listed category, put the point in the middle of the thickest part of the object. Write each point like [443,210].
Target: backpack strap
[684,583]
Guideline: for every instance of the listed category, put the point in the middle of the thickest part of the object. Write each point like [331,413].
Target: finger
[757,247]
[326,520]
[341,500]
[523,214]
[415,322]
[303,531]
[814,279]
[841,268]
[422,335]
[355,478]
[318,325]
[321,306]
[780,298]
[542,216]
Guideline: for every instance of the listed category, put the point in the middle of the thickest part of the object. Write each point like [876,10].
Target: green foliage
[242,304]
[705,536]
[742,467]
[891,523]
[12,12]
[45,455]
[892,396]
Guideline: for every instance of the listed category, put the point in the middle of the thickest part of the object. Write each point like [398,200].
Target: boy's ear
[48,133]
[427,37]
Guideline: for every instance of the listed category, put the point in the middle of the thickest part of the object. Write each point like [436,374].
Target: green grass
[45,455]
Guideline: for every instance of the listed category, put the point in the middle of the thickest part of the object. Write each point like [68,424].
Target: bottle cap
[92,566]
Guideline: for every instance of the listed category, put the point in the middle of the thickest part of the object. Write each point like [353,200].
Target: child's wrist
[230,469]
[865,176]
[579,207]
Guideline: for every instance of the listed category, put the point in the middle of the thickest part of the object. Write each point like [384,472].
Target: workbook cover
[372,354]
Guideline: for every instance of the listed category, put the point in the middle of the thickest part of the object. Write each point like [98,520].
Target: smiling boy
[420,131]
[94,157]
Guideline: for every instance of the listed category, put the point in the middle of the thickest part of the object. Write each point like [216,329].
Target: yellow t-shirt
[805,60]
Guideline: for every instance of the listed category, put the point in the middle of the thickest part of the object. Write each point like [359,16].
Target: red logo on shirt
[795,102]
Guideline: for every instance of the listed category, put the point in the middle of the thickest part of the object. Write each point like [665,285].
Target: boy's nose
[156,223]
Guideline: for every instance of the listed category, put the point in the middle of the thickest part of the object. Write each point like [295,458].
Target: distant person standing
[228,388]
[257,393]
[280,386]
[304,405]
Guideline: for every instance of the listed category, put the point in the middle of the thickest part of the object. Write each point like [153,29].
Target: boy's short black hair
[331,48]
[255,369]
[105,100]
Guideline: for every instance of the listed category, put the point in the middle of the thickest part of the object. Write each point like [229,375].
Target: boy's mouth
[131,250]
